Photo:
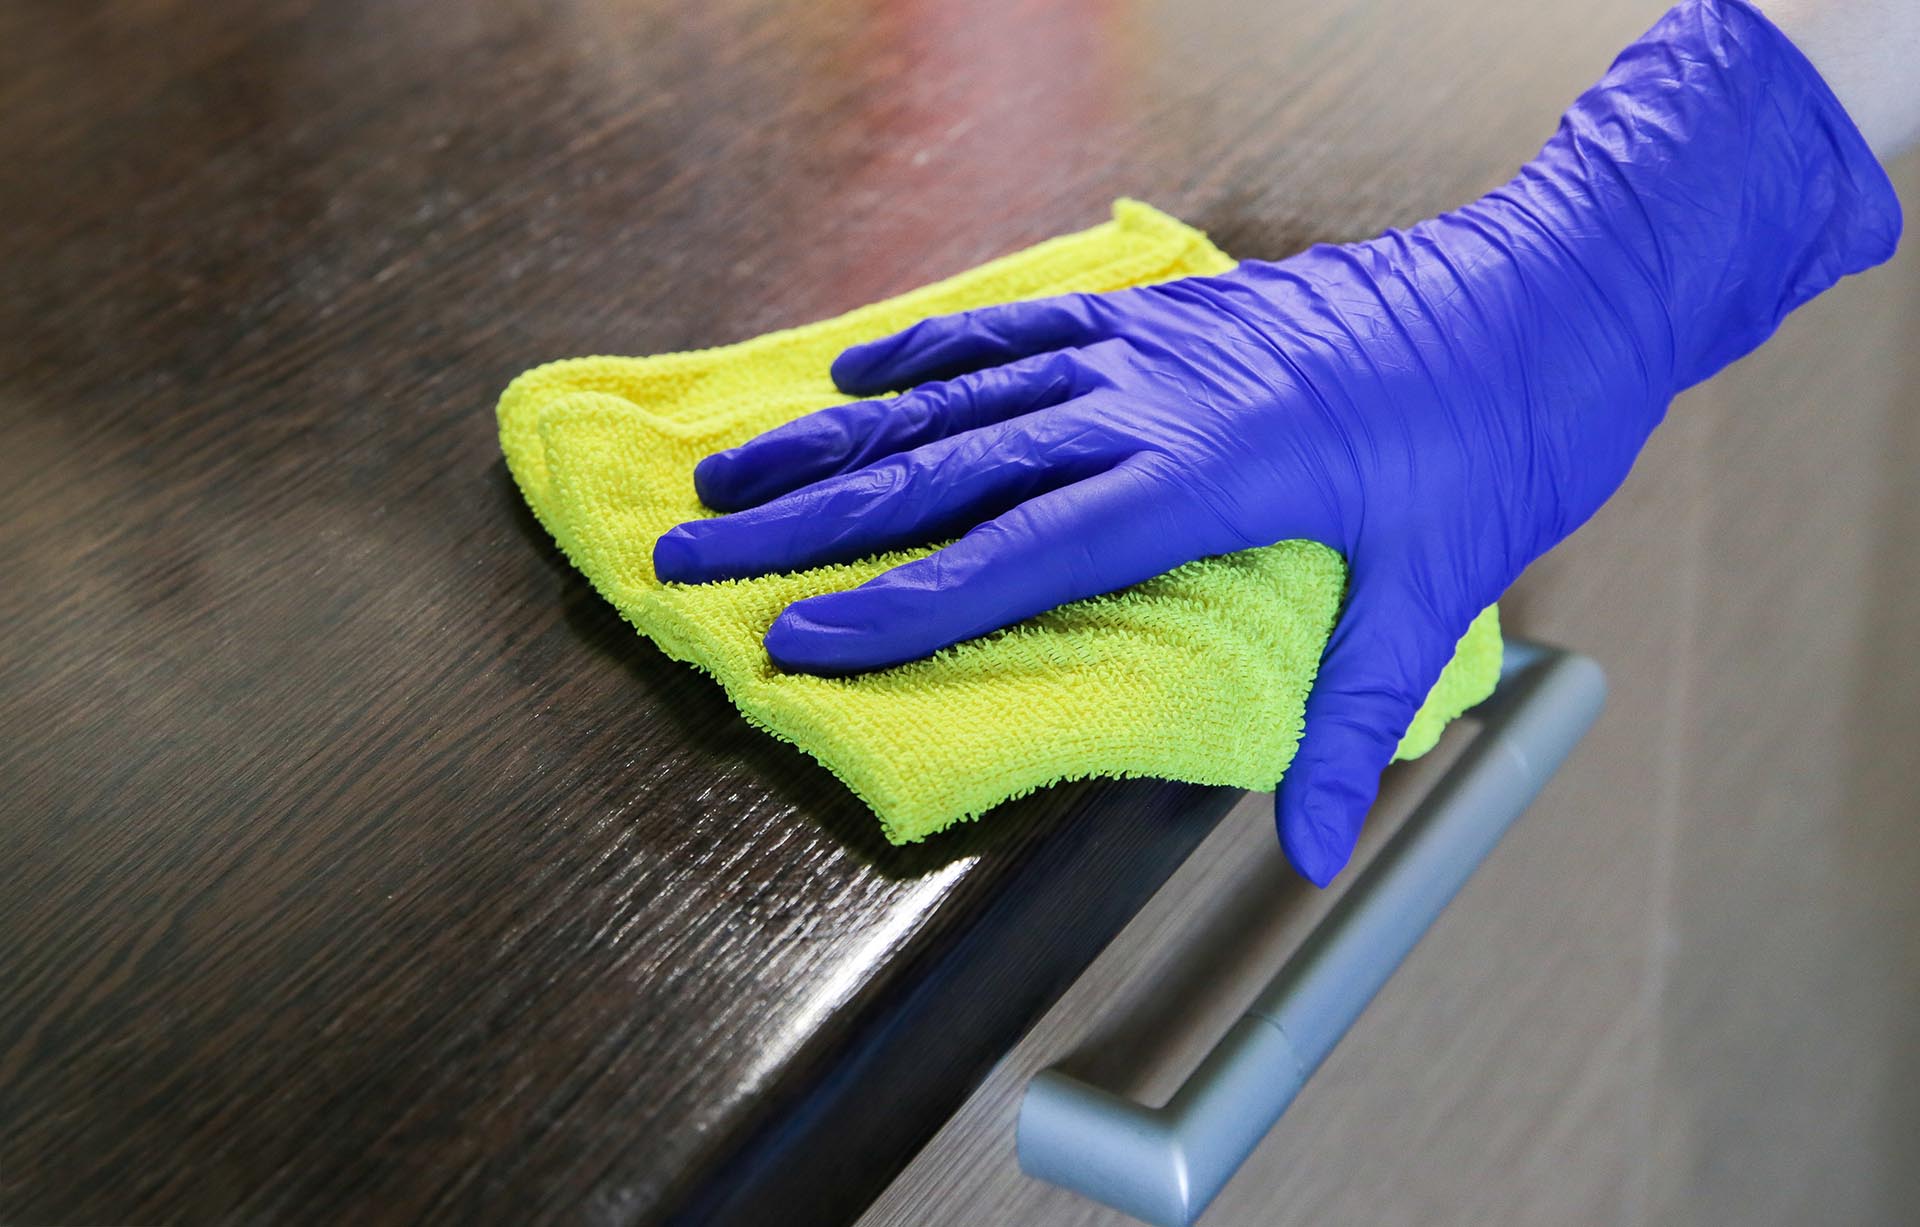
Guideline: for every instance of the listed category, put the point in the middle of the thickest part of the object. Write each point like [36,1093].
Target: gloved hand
[1442,405]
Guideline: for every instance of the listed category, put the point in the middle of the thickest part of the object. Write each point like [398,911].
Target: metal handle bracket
[1164,1165]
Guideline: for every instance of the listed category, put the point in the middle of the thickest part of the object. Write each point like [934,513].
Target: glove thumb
[1384,656]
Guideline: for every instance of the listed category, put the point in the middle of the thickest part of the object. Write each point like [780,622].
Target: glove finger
[1111,530]
[950,345]
[845,438]
[931,493]
[1384,656]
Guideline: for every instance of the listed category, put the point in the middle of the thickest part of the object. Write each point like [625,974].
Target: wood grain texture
[357,862]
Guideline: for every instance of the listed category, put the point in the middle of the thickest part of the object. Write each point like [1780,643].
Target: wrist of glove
[1441,404]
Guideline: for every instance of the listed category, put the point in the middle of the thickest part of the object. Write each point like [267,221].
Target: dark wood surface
[356,861]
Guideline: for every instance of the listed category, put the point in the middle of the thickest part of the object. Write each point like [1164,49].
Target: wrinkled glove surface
[1441,404]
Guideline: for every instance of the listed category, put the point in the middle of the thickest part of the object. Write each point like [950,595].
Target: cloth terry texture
[1199,675]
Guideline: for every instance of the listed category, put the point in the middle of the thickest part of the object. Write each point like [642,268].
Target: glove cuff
[1713,166]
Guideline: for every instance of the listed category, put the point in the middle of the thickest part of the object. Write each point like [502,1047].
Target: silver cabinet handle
[1163,1165]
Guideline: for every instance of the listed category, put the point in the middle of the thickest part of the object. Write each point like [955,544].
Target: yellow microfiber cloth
[1198,675]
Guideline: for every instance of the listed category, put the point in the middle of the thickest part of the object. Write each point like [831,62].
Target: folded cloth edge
[1174,249]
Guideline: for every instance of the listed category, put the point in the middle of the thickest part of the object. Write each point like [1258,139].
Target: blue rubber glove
[1442,405]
